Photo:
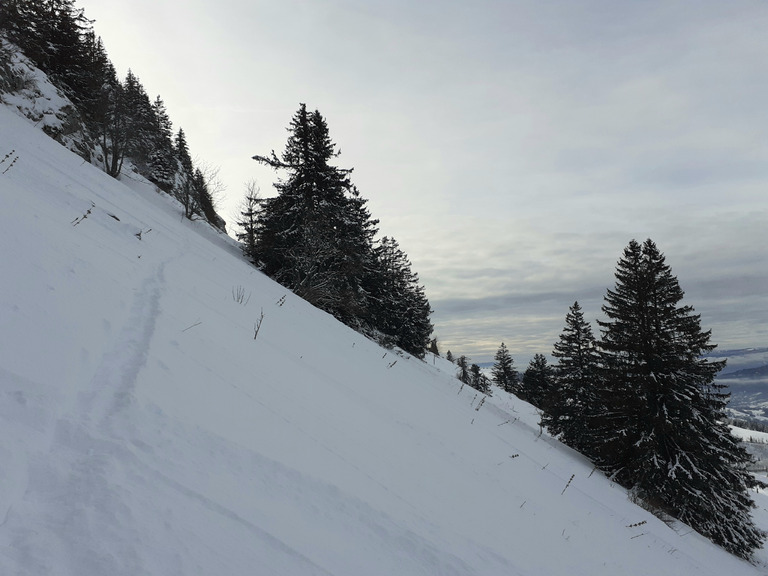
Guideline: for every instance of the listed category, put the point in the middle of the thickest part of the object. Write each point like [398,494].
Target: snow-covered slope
[146,432]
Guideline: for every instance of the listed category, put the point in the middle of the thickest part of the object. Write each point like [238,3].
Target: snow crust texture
[146,432]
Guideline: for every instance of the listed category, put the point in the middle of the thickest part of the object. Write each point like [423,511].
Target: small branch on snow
[257,325]
[79,219]
[569,483]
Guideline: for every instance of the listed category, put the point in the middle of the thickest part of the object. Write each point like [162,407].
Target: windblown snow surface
[144,431]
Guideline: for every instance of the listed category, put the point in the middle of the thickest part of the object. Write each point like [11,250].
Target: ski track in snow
[111,388]
[82,439]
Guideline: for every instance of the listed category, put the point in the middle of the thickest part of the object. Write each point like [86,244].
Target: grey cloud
[512,148]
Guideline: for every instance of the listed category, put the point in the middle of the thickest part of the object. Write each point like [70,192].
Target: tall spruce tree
[398,308]
[248,221]
[316,235]
[663,432]
[463,373]
[184,187]
[112,123]
[572,397]
[478,380]
[503,373]
[537,382]
[162,161]
[141,126]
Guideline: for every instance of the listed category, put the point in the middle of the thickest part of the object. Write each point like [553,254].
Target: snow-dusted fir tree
[571,399]
[503,373]
[398,306]
[478,380]
[316,235]
[185,174]
[463,373]
[663,434]
[162,161]
[141,125]
[248,221]
[316,238]
[536,384]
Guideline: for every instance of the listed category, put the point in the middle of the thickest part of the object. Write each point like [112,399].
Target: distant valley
[746,376]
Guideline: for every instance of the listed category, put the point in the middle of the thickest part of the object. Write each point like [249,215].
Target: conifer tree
[182,153]
[663,433]
[248,221]
[184,187]
[162,162]
[536,385]
[463,373]
[398,306]
[572,399]
[478,380]
[98,70]
[316,235]
[503,373]
[140,119]
[113,123]
[51,33]
[203,196]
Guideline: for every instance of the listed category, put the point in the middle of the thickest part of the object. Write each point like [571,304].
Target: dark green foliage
[662,431]
[120,122]
[463,373]
[316,235]
[398,306]
[316,238]
[141,122]
[51,33]
[503,373]
[182,153]
[572,399]
[248,221]
[184,188]
[204,198]
[536,385]
[112,124]
[125,121]
[162,161]
[478,380]
[449,356]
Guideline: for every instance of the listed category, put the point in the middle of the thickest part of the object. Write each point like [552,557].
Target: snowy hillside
[146,432]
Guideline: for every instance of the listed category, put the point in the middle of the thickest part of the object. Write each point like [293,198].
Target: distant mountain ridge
[746,375]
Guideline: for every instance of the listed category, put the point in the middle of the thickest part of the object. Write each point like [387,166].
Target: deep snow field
[144,431]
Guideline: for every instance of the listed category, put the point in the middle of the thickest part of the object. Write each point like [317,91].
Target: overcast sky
[512,147]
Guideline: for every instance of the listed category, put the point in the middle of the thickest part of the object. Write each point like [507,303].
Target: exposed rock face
[31,94]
